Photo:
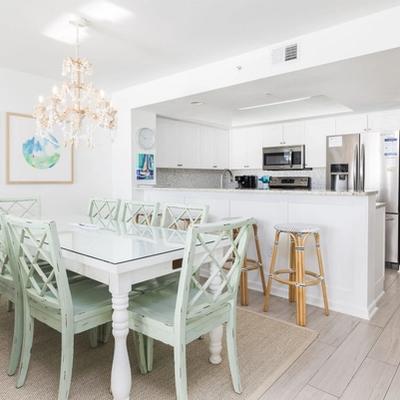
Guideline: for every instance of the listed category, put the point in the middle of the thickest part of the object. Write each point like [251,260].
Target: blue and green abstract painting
[41,153]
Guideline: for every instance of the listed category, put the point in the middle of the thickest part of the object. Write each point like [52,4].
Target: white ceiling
[359,84]
[161,37]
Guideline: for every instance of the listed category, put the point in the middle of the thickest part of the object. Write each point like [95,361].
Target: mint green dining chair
[48,296]
[137,212]
[104,208]
[181,312]
[23,207]
[181,216]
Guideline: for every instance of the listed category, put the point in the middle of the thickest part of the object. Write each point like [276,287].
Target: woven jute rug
[267,347]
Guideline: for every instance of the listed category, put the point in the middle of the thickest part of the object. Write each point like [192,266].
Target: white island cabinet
[352,236]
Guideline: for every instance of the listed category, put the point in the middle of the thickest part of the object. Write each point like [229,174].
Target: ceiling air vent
[284,54]
[291,52]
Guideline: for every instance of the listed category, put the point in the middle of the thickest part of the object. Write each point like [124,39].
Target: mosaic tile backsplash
[200,178]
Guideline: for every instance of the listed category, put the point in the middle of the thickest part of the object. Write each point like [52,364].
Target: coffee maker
[246,181]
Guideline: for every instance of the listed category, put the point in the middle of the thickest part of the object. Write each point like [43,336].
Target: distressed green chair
[181,216]
[48,296]
[180,313]
[104,208]
[23,207]
[136,212]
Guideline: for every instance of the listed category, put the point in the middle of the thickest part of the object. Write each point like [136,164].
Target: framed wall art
[145,168]
[31,159]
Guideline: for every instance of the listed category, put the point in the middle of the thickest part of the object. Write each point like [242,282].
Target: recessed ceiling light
[62,30]
[274,103]
[196,103]
[104,10]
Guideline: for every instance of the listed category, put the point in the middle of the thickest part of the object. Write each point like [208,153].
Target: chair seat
[90,300]
[160,304]
[297,228]
[156,283]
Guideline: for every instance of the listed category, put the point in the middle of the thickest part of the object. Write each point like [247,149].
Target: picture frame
[32,160]
[145,168]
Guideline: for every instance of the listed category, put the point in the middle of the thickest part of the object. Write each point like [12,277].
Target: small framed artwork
[145,169]
[31,159]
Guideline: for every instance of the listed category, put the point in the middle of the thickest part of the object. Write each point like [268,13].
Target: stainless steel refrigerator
[364,162]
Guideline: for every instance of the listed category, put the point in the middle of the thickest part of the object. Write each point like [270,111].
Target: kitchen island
[352,236]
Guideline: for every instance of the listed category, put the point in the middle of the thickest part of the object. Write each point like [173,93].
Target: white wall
[18,93]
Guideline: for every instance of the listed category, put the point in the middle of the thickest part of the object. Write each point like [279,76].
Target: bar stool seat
[296,228]
[297,271]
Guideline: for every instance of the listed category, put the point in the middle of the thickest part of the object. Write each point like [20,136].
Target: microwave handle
[291,158]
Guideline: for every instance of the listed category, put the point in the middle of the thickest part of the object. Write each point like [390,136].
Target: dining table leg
[215,347]
[121,378]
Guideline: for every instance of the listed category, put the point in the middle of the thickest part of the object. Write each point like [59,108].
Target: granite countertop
[262,191]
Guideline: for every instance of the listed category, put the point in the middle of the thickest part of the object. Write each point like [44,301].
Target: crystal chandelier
[76,105]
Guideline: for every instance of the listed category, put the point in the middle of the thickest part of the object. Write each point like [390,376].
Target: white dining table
[121,255]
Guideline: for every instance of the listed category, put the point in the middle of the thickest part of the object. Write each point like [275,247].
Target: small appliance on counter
[246,181]
[290,182]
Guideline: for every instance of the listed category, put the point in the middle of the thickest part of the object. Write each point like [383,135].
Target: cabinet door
[254,147]
[188,141]
[238,149]
[167,150]
[384,121]
[351,124]
[293,133]
[220,145]
[272,135]
[316,132]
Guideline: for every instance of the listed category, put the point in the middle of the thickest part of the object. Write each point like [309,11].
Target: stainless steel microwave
[284,157]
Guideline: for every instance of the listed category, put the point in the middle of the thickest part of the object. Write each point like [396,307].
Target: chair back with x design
[31,243]
[20,207]
[218,245]
[136,212]
[104,208]
[181,216]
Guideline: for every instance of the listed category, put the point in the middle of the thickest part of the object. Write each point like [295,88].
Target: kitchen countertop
[262,191]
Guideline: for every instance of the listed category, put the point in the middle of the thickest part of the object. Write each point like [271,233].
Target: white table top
[115,242]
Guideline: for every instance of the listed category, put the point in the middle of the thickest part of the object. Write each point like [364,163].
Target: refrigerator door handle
[362,168]
[355,169]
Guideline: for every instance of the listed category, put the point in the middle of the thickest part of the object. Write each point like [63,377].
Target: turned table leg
[121,378]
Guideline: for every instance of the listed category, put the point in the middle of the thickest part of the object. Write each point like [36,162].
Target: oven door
[279,158]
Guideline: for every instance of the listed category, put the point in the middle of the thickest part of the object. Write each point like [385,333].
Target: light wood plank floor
[352,359]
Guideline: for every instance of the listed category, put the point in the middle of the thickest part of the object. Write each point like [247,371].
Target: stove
[290,182]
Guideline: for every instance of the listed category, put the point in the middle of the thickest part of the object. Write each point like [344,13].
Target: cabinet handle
[180,165]
[215,166]
[246,166]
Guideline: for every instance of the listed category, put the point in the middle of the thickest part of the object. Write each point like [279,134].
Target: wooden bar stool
[251,265]
[297,271]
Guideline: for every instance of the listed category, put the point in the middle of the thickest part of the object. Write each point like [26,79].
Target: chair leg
[149,353]
[244,289]
[301,315]
[94,336]
[26,347]
[292,276]
[180,371]
[322,273]
[232,352]
[67,359]
[271,271]
[16,347]
[139,340]
[259,259]
[106,332]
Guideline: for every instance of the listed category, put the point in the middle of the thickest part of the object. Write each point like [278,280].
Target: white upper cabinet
[348,124]
[166,137]
[272,135]
[293,133]
[316,132]
[384,121]
[214,148]
[246,148]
